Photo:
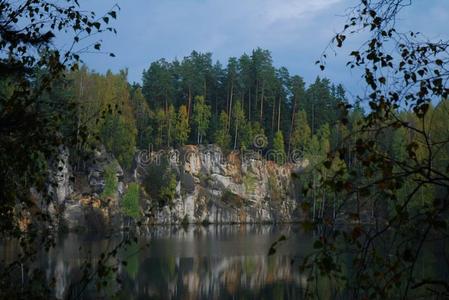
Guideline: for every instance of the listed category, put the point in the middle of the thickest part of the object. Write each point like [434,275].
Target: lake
[196,262]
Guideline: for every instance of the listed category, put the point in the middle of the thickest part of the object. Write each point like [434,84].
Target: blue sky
[295,31]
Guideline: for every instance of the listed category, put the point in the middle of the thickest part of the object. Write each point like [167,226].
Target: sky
[295,31]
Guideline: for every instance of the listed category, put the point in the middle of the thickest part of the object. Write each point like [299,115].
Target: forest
[196,101]
[372,189]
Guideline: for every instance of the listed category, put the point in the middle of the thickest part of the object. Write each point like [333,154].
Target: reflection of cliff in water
[214,262]
[194,263]
[215,277]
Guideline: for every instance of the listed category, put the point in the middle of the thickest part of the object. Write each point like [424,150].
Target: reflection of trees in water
[214,277]
[197,262]
[222,269]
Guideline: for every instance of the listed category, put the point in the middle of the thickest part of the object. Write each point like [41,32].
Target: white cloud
[294,9]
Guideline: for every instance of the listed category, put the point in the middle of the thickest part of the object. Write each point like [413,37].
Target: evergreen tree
[301,133]
[160,125]
[222,137]
[119,137]
[182,129]
[142,115]
[170,117]
[158,84]
[278,148]
[238,120]
[246,136]
[324,139]
[201,117]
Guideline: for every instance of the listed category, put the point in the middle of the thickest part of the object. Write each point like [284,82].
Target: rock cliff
[209,187]
[216,188]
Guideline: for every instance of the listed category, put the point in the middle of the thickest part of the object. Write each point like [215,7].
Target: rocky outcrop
[100,161]
[77,202]
[211,187]
[217,188]
[60,186]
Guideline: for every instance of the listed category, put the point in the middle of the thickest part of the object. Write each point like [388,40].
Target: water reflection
[214,262]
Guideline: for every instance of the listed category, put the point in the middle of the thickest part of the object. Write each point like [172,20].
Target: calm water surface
[213,262]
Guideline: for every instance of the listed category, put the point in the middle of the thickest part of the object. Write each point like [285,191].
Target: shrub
[160,183]
[110,181]
[232,199]
[130,203]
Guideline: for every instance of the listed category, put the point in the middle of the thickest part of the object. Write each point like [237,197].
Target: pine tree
[170,117]
[278,147]
[324,139]
[238,120]
[160,125]
[301,133]
[201,117]
[119,137]
[182,129]
[222,137]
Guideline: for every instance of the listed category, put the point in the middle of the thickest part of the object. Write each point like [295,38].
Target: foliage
[142,115]
[222,137]
[301,133]
[250,182]
[110,181]
[130,202]
[395,173]
[160,183]
[239,120]
[33,124]
[267,96]
[201,117]
[119,138]
[278,148]
[231,198]
[182,128]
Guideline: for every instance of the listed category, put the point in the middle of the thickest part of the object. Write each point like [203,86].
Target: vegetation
[160,183]
[232,199]
[383,172]
[234,105]
[130,201]
[110,181]
[390,169]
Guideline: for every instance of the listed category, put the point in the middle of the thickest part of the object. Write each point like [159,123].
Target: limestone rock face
[60,179]
[99,163]
[77,204]
[211,187]
[214,187]
[87,213]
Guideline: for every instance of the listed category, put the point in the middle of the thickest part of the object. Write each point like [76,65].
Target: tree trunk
[235,135]
[230,105]
[168,133]
[292,124]
[190,104]
[279,114]
[257,98]
[249,104]
[272,115]
[261,103]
